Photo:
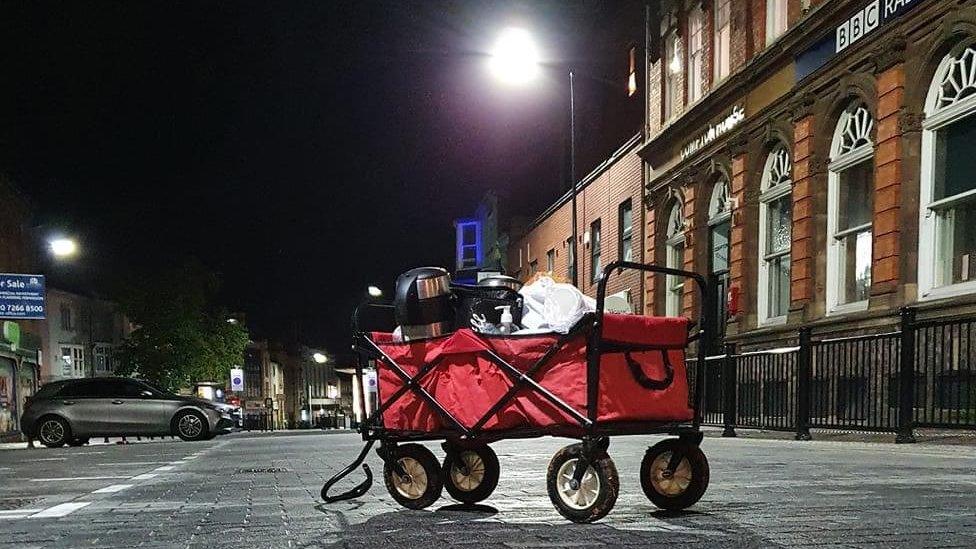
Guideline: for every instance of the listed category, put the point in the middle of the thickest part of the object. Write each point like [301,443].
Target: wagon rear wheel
[595,494]
[418,482]
[681,487]
[470,474]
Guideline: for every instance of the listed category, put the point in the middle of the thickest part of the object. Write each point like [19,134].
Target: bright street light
[320,358]
[63,247]
[373,291]
[514,59]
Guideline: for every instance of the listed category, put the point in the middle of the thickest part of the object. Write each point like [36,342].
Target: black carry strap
[636,369]
[641,378]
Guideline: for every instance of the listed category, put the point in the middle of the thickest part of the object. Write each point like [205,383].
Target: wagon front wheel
[470,474]
[678,488]
[593,496]
[413,477]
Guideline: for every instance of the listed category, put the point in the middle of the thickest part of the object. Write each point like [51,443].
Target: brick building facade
[812,154]
[608,227]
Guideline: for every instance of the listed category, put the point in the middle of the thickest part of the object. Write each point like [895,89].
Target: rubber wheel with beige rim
[596,493]
[680,488]
[421,484]
[473,475]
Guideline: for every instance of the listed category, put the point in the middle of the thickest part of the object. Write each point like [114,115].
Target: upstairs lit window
[776,19]
[672,71]
[722,44]
[696,54]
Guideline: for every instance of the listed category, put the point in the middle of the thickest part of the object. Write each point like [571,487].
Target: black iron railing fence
[923,375]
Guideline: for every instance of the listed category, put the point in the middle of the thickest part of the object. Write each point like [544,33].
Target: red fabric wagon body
[642,378]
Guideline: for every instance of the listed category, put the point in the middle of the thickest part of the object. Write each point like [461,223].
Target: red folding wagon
[610,375]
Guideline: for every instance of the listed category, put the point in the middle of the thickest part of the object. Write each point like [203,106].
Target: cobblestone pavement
[261,490]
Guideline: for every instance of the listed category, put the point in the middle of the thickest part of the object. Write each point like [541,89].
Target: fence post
[906,378]
[803,385]
[728,390]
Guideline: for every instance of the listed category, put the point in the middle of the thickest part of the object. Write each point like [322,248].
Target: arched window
[947,201]
[675,246]
[719,227]
[775,231]
[850,200]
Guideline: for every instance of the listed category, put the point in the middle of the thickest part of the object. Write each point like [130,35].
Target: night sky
[301,150]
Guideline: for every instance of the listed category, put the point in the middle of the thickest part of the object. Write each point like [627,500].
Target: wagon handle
[359,490]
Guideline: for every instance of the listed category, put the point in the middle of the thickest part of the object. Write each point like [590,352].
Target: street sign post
[22,296]
[237,380]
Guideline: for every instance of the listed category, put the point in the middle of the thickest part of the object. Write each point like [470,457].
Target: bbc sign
[869,18]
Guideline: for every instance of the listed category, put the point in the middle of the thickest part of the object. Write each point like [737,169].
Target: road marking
[112,489]
[164,468]
[49,459]
[191,457]
[20,512]
[61,510]
[67,479]
[144,476]
[134,463]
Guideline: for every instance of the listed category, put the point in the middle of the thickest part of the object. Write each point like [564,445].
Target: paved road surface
[261,490]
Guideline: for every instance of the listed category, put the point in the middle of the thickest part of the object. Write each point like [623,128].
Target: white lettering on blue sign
[867,19]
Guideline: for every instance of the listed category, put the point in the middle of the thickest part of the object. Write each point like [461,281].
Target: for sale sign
[22,296]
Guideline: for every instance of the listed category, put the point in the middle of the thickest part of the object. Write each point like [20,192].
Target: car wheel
[78,442]
[190,425]
[54,432]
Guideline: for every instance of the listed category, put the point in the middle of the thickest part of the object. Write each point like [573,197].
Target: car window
[133,389]
[86,388]
[50,390]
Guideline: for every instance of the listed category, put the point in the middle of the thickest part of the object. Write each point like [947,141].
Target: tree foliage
[180,337]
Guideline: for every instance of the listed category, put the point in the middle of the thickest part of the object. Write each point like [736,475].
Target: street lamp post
[572,171]
[319,358]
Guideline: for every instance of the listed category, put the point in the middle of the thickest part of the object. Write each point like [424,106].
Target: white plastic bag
[553,306]
[534,302]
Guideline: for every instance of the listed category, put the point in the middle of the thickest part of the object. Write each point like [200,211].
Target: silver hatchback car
[71,411]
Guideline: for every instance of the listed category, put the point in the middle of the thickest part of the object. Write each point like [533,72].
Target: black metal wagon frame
[594,432]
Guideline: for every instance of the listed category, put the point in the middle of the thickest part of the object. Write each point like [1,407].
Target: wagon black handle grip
[359,490]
